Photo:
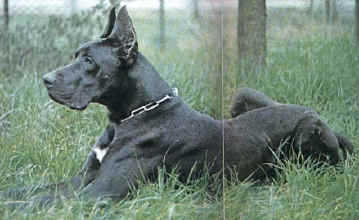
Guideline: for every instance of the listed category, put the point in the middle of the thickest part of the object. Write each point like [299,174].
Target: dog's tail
[345,145]
[247,99]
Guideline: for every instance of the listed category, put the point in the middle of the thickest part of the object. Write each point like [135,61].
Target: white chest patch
[100,153]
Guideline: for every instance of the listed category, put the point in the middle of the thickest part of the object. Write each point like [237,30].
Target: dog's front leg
[91,167]
[89,170]
[67,187]
[117,176]
[87,174]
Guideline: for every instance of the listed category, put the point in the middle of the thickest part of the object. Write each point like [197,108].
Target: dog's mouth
[71,106]
[77,108]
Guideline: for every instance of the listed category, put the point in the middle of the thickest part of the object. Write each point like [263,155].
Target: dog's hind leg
[314,138]
[247,99]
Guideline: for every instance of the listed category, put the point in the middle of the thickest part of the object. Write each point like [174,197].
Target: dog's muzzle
[49,79]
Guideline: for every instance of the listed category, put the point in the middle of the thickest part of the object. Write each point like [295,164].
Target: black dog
[151,127]
[247,99]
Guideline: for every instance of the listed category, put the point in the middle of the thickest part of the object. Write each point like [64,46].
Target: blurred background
[193,43]
[200,41]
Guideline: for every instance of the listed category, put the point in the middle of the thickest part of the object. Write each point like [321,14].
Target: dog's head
[97,66]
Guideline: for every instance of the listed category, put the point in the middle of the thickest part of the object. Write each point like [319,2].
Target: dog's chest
[100,153]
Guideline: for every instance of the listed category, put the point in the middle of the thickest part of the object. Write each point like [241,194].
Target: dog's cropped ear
[110,23]
[125,39]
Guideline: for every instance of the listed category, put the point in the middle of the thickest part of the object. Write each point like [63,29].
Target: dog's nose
[49,79]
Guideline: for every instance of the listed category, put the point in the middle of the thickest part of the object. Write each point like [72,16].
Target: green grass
[309,63]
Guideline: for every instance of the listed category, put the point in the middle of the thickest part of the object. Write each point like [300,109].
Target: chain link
[147,107]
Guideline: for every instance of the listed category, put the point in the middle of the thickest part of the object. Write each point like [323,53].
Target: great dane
[151,127]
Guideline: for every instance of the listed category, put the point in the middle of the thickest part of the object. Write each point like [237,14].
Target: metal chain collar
[150,106]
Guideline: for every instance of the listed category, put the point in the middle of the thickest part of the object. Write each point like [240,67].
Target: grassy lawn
[309,63]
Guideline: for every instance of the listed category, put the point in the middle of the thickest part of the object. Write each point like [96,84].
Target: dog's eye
[89,60]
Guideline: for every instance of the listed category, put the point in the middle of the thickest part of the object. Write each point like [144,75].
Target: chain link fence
[48,7]
[47,29]
[42,35]
[11,8]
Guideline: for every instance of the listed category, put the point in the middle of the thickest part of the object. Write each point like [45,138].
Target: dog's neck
[145,85]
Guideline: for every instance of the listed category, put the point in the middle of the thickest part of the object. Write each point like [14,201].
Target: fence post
[162,25]
[195,8]
[115,3]
[357,20]
[6,14]
[73,5]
